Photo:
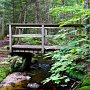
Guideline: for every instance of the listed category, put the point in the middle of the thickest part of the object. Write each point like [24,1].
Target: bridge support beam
[27,57]
[10,38]
[43,38]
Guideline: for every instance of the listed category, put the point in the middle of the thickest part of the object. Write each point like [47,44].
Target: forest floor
[3,49]
[4,53]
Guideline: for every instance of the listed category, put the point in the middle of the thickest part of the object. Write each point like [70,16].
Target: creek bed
[38,72]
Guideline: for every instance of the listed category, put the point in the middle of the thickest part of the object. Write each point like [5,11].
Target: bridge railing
[43,34]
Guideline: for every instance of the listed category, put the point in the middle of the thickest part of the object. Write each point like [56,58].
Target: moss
[84,88]
[86,80]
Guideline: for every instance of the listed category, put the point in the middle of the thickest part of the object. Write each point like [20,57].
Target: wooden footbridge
[24,48]
[43,35]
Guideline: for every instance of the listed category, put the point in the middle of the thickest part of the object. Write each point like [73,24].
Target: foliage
[71,40]
[4,71]
[1,37]
[86,80]
[66,61]
[16,62]
[74,10]
[87,26]
[84,88]
[85,85]
[31,41]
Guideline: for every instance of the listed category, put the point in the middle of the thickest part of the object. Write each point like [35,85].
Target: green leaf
[67,80]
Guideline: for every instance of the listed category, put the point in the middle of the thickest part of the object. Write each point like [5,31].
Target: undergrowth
[4,71]
[67,62]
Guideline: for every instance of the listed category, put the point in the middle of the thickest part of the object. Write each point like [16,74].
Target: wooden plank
[34,47]
[50,36]
[27,35]
[32,35]
[43,38]
[27,47]
[52,48]
[37,47]
[35,27]
[33,24]
[45,25]
[27,27]
[10,38]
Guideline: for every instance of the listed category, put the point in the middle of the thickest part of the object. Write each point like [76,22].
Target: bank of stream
[38,72]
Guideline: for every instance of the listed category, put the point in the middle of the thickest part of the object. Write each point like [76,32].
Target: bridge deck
[16,32]
[35,47]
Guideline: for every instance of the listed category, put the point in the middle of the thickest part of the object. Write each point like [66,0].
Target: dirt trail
[3,50]
[4,42]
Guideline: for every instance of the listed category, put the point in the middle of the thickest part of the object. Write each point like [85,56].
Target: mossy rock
[84,88]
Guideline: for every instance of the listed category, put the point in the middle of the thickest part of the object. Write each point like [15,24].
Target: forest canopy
[44,11]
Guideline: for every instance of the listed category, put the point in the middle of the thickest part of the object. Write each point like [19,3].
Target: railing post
[43,38]
[10,38]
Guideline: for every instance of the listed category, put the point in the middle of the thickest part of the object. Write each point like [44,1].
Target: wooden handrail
[43,34]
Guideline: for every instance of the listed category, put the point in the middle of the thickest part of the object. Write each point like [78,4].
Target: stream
[38,72]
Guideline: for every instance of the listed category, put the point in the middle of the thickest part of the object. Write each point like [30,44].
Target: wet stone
[28,78]
[2,82]
[33,85]
[1,85]
[12,84]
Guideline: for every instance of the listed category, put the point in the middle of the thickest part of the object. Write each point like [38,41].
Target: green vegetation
[15,62]
[71,60]
[31,41]
[85,85]
[4,71]
[68,61]
[84,88]
[86,80]
[68,8]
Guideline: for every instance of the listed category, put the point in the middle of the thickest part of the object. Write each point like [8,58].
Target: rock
[12,84]
[33,85]
[1,85]
[14,78]
[63,85]
[45,67]
[28,78]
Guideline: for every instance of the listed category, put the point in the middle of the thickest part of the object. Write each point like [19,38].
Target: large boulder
[15,80]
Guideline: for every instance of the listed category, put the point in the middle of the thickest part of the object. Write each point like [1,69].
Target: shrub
[4,71]
[86,80]
[84,88]
[67,62]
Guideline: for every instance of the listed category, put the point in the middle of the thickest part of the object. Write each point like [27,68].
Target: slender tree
[87,20]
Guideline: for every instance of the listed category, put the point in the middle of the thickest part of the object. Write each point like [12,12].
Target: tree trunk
[37,11]
[21,12]
[3,20]
[87,21]
[13,6]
